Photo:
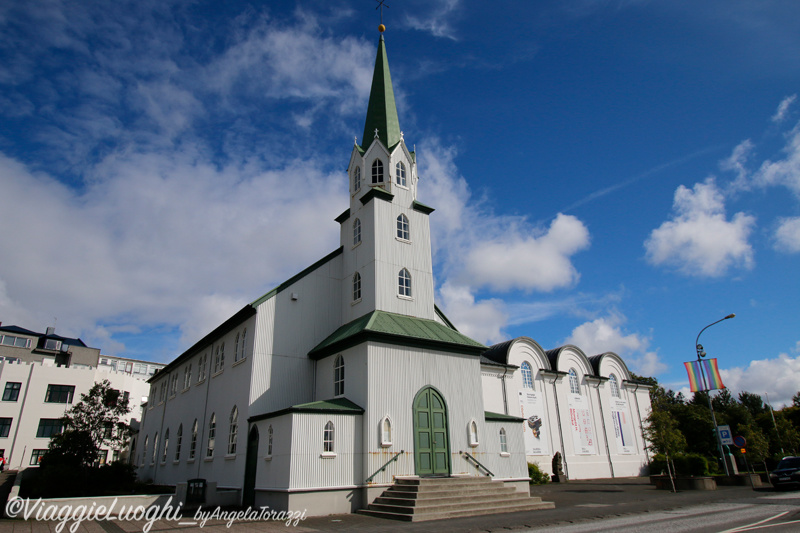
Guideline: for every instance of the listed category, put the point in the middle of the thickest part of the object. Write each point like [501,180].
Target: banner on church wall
[580,422]
[622,427]
[532,409]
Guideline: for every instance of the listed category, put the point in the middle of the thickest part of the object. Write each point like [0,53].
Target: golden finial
[380,6]
[381,28]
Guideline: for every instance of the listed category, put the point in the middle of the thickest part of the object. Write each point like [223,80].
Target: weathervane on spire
[380,6]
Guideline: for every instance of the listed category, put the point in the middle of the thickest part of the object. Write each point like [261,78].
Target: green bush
[686,464]
[537,476]
[66,480]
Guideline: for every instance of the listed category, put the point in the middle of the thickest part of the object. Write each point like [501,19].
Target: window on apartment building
[5,426]
[233,432]
[140,368]
[11,392]
[49,427]
[36,457]
[59,393]
[13,340]
[212,433]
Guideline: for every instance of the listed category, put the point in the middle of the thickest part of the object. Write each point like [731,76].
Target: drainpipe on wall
[639,415]
[555,375]
[505,392]
[599,381]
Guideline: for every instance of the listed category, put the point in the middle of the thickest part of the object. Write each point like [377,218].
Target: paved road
[620,505]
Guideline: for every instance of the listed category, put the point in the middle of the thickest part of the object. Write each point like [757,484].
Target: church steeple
[381,111]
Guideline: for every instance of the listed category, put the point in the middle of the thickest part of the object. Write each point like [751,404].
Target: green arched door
[431,444]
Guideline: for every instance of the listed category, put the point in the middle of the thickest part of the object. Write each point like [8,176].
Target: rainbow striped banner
[695,376]
[712,374]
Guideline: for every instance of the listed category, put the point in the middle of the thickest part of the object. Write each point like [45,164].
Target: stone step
[435,480]
[455,505]
[474,511]
[396,493]
[440,485]
[432,502]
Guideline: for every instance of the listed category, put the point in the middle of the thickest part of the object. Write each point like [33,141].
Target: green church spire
[381,112]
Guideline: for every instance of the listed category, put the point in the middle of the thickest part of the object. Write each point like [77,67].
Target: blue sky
[613,174]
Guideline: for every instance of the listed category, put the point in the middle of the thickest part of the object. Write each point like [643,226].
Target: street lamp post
[701,354]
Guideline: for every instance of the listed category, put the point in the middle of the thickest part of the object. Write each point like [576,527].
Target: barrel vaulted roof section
[499,352]
[597,360]
[391,328]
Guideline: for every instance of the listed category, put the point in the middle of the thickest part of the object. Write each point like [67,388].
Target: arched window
[338,376]
[155,449]
[503,441]
[400,174]
[178,443]
[473,433]
[386,431]
[233,433]
[612,382]
[402,228]
[356,231]
[166,446]
[356,287]
[574,386]
[404,283]
[244,343]
[193,443]
[144,450]
[236,348]
[377,171]
[356,179]
[269,442]
[212,433]
[527,375]
[327,438]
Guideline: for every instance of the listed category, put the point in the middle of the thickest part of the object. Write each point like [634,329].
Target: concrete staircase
[419,499]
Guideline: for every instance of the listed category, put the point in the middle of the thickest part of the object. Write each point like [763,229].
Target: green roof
[397,329]
[381,111]
[498,417]
[336,406]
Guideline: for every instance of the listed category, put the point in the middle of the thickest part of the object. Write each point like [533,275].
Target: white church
[347,377]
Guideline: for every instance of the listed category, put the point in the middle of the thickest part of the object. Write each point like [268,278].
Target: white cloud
[786,171]
[605,334]
[482,321]
[699,240]
[779,377]
[787,235]
[783,108]
[434,17]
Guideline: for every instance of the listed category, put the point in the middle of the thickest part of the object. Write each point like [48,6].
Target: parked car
[786,474]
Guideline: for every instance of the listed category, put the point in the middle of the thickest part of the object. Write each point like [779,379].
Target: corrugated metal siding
[309,469]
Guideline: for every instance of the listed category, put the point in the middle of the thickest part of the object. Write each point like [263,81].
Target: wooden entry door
[250,468]
[431,443]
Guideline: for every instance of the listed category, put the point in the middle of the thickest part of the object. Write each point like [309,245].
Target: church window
[386,431]
[527,375]
[503,441]
[574,387]
[356,232]
[244,344]
[356,287]
[166,447]
[402,228]
[236,348]
[193,443]
[338,376]
[187,376]
[178,442]
[155,449]
[473,433]
[404,283]
[144,450]
[219,358]
[201,367]
[377,171]
[212,432]
[327,438]
[400,174]
[234,431]
[269,442]
[356,179]
[612,381]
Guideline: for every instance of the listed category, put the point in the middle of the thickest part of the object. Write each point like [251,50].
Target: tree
[96,420]
[663,436]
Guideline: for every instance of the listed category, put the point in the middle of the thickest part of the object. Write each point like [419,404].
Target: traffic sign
[725,435]
[739,441]
[743,451]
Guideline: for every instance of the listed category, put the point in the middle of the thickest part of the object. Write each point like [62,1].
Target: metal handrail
[478,463]
[381,469]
